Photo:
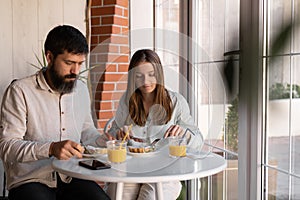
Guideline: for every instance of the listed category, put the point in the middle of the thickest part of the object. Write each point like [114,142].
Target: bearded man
[45,116]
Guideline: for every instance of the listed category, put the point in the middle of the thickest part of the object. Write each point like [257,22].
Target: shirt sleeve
[186,121]
[120,117]
[13,122]
[89,133]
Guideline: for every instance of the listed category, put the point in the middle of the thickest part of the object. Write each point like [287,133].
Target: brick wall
[110,53]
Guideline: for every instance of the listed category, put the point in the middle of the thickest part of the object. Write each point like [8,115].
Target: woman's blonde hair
[162,108]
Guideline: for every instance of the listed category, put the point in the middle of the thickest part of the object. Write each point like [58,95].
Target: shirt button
[63,129]
[62,113]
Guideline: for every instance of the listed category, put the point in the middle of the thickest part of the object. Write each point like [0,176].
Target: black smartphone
[94,164]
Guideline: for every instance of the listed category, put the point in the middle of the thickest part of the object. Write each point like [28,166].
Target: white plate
[142,154]
[96,155]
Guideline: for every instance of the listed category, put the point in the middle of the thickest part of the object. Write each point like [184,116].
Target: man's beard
[59,82]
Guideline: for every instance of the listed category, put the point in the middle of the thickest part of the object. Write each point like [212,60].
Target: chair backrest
[108,124]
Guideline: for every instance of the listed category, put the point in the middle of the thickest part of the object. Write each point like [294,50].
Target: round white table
[148,168]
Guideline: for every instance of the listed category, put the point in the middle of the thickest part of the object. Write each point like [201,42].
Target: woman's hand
[122,133]
[174,130]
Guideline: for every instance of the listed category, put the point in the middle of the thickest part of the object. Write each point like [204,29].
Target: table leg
[193,189]
[159,191]
[119,192]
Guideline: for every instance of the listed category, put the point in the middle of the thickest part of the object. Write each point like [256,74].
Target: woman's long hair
[162,108]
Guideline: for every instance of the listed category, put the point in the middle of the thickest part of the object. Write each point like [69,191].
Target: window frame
[251,102]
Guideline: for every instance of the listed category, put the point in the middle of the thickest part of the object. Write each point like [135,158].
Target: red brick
[121,21]
[94,40]
[106,30]
[107,20]
[108,96]
[116,29]
[122,68]
[105,114]
[125,14]
[100,49]
[113,77]
[109,2]
[118,58]
[123,3]
[108,86]
[105,39]
[119,40]
[92,47]
[121,86]
[119,11]
[111,68]
[114,20]
[104,11]
[96,2]
[99,68]
[105,105]
[124,31]
[93,58]
[95,21]
[113,49]
[124,49]
[115,58]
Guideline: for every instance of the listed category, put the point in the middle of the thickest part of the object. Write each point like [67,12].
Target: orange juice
[116,155]
[178,151]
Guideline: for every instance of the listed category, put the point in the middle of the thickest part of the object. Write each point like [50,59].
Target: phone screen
[94,164]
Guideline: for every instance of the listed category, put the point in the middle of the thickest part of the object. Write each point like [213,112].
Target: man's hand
[66,149]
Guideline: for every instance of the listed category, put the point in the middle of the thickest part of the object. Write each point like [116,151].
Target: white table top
[158,167]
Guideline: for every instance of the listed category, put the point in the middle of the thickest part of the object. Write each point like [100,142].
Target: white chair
[108,124]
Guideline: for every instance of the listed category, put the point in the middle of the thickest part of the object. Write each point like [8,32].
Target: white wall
[24,25]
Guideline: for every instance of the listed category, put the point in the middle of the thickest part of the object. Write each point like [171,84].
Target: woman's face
[145,78]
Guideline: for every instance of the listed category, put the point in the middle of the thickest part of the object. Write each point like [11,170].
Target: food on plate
[139,147]
[94,150]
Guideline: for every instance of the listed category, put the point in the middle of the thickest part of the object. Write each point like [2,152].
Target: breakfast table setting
[166,159]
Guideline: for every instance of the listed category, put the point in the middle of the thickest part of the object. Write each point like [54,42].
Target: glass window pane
[279,17]
[167,39]
[296,30]
[279,111]
[211,28]
[295,194]
[295,116]
[223,185]
[232,25]
[277,185]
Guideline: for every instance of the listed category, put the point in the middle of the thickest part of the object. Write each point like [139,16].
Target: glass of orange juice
[116,151]
[177,146]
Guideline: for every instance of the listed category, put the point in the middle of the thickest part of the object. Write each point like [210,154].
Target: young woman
[154,112]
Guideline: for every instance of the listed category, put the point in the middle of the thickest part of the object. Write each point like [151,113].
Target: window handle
[231,53]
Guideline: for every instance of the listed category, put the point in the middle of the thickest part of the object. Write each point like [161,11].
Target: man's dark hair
[67,38]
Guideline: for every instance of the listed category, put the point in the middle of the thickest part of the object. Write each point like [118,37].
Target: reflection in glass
[295,192]
[277,184]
